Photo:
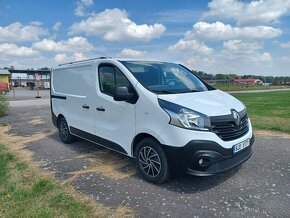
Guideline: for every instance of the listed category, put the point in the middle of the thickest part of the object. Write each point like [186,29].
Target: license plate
[241,146]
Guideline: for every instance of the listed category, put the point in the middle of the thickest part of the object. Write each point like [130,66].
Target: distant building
[248,81]
[4,76]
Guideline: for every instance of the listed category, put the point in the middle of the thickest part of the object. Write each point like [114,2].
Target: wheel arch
[138,138]
[58,119]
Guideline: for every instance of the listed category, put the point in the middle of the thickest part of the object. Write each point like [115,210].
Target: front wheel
[151,161]
[64,133]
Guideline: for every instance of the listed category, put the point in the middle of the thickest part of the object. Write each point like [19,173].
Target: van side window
[121,80]
[107,79]
[110,77]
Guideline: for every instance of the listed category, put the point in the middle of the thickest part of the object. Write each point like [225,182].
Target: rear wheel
[151,161]
[64,133]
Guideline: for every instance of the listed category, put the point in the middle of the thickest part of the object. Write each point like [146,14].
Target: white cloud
[285,59]
[81,7]
[248,51]
[242,47]
[264,57]
[131,53]
[87,2]
[114,25]
[193,46]
[258,12]
[79,44]
[63,57]
[56,26]
[285,45]
[220,31]
[36,23]
[16,32]
[10,49]
[60,58]
[79,56]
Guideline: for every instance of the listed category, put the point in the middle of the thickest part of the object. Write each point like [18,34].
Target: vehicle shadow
[193,184]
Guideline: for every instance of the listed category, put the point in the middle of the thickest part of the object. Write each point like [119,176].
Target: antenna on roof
[102,54]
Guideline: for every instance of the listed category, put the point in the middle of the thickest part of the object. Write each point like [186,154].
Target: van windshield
[164,78]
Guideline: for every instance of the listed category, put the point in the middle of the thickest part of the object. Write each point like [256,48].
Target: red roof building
[247,81]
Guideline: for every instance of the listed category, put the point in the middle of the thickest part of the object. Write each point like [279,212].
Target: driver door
[114,120]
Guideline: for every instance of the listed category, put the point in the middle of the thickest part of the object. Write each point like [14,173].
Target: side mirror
[122,94]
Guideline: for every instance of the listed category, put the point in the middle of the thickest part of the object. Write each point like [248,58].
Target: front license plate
[241,146]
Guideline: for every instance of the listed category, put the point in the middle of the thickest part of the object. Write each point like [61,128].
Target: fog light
[204,162]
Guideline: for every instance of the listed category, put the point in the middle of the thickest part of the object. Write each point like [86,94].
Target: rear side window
[110,77]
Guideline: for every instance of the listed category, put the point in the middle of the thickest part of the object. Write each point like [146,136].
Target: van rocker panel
[97,140]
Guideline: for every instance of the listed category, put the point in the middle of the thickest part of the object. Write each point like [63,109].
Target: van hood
[210,103]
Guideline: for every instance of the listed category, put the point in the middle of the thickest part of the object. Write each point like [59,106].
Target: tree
[44,68]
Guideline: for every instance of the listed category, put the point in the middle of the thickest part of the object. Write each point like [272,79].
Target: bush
[3,105]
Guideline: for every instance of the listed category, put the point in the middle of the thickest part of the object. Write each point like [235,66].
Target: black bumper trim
[217,159]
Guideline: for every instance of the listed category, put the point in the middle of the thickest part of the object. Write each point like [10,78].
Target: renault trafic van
[159,113]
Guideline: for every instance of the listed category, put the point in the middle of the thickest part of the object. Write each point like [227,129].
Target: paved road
[26,94]
[30,103]
[259,188]
[257,91]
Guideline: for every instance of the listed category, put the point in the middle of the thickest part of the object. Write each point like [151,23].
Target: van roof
[86,60]
[109,58]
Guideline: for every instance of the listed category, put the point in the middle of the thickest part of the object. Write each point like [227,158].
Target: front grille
[226,128]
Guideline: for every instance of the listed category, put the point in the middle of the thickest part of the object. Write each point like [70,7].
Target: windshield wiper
[162,91]
[191,90]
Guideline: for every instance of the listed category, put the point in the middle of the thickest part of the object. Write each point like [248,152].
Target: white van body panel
[150,117]
[77,90]
[210,103]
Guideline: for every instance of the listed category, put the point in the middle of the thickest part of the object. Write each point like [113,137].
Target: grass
[25,193]
[268,110]
[238,87]
[3,105]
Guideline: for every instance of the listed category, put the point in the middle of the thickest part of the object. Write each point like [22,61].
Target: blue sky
[218,36]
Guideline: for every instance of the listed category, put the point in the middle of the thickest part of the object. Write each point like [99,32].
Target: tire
[64,133]
[151,161]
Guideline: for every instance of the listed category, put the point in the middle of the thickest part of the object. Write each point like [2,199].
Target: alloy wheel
[63,130]
[149,161]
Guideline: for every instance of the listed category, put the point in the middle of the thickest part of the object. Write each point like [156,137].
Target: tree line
[274,80]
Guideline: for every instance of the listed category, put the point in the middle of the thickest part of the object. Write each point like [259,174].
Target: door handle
[86,106]
[100,109]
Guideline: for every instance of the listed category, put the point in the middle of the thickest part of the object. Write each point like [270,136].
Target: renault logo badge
[237,117]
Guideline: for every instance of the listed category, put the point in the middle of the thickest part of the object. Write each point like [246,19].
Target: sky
[218,36]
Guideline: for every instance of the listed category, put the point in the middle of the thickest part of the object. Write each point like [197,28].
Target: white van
[159,113]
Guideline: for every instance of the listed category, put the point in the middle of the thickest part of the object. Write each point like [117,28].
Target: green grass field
[268,110]
[25,193]
[238,87]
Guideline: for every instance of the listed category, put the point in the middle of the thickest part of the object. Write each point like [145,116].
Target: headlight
[184,117]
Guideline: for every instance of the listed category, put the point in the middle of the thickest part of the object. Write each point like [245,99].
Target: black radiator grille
[227,129]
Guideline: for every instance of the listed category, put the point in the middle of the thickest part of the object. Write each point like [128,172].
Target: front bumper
[215,158]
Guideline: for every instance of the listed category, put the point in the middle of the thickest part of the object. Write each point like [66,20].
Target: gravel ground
[259,188]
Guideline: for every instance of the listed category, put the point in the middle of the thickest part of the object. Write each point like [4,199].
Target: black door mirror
[122,94]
